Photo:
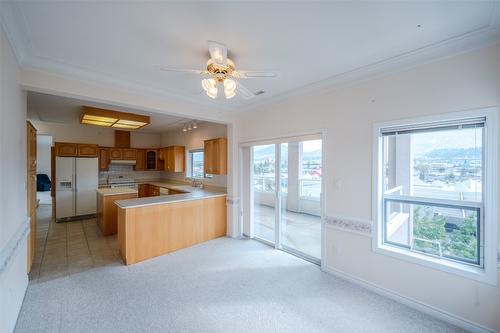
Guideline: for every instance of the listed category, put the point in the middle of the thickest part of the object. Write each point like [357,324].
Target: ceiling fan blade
[218,53]
[243,91]
[182,70]
[255,74]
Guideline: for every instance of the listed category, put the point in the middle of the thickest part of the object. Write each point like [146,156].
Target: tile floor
[69,248]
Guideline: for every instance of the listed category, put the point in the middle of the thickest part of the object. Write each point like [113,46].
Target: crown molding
[467,42]
[17,31]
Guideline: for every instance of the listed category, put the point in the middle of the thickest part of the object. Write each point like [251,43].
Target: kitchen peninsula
[152,226]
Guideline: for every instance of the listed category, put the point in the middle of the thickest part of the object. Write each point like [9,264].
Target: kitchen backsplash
[127,169]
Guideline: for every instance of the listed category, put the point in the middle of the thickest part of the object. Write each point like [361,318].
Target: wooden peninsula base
[152,230]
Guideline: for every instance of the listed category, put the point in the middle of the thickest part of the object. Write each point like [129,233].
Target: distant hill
[452,153]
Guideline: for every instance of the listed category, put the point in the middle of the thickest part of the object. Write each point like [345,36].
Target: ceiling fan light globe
[229,94]
[212,93]
[208,84]
[229,85]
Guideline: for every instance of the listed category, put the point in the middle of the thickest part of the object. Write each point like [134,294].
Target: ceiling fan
[222,71]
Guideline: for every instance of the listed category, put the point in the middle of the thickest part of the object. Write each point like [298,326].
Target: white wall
[194,140]
[13,214]
[467,81]
[43,144]
[94,134]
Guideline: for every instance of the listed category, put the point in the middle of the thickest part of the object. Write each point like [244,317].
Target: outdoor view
[197,164]
[299,226]
[445,165]
[310,168]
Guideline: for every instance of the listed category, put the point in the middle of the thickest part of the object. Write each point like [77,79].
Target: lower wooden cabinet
[106,211]
[154,190]
[143,190]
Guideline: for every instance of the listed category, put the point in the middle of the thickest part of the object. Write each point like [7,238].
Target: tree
[426,225]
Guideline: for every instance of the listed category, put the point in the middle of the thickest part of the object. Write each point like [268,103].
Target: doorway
[285,195]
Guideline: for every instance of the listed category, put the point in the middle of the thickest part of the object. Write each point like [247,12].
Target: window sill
[463,270]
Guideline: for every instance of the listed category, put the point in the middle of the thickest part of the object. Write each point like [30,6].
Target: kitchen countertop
[192,193]
[116,191]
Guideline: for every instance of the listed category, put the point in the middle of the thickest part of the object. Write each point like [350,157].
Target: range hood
[123,162]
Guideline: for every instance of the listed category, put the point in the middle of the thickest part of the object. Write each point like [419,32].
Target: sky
[463,138]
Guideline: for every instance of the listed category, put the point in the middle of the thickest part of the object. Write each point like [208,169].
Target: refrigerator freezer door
[87,180]
[65,181]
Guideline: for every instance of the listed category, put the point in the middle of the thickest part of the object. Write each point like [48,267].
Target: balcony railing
[308,188]
[427,215]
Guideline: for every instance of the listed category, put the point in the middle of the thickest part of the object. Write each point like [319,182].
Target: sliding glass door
[286,187]
[264,192]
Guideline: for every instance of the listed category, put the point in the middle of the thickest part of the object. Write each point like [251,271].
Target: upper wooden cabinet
[122,153]
[76,149]
[115,153]
[140,160]
[66,149]
[129,154]
[122,139]
[103,159]
[215,156]
[152,159]
[174,158]
[88,150]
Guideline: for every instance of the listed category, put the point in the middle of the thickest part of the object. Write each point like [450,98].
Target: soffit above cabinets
[312,45]
[67,111]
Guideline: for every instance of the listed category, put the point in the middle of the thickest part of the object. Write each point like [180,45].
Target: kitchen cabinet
[215,156]
[174,158]
[143,190]
[66,149]
[103,159]
[140,163]
[153,191]
[152,159]
[122,154]
[107,211]
[129,154]
[31,190]
[87,150]
[115,153]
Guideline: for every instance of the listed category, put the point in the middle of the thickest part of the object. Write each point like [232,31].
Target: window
[310,169]
[431,190]
[196,163]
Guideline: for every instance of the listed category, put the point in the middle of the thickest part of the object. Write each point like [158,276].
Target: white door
[65,183]
[87,178]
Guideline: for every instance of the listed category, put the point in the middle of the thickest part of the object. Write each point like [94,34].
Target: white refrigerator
[77,179]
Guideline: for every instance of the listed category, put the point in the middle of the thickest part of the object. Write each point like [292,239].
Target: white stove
[121,180]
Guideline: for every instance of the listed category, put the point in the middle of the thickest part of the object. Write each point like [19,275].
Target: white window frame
[189,170]
[488,272]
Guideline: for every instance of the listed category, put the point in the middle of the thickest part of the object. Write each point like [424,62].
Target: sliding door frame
[247,219]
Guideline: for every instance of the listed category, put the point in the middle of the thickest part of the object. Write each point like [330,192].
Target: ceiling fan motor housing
[220,73]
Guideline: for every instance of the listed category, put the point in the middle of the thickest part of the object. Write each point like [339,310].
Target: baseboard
[410,302]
